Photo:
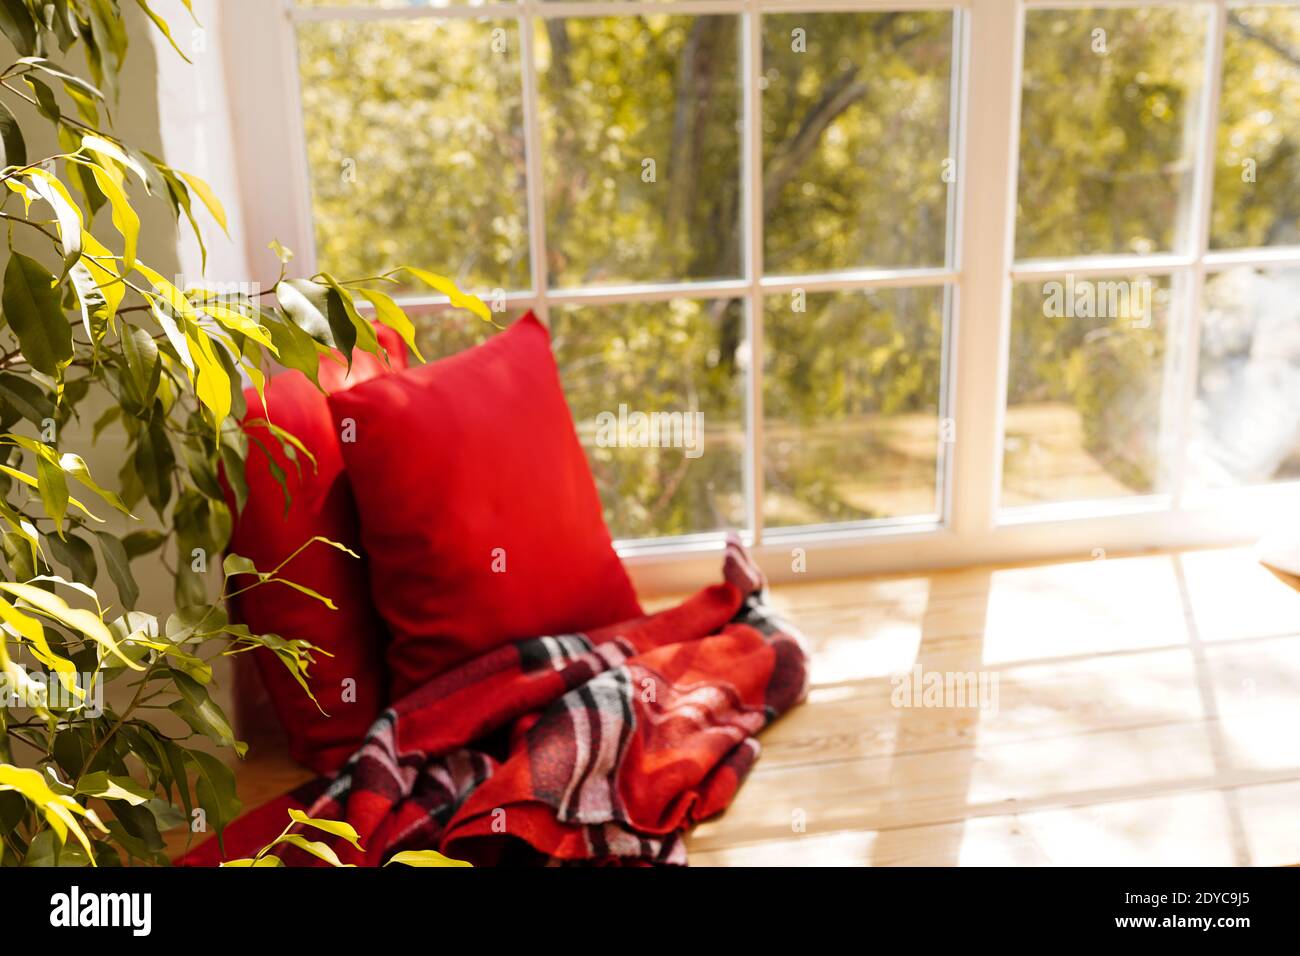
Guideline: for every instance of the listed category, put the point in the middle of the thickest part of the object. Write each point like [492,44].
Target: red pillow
[477,505]
[320,504]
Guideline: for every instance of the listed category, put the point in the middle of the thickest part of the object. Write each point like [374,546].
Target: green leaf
[139,543]
[177,774]
[56,71]
[362,333]
[215,788]
[233,467]
[11,138]
[33,310]
[237,564]
[200,711]
[143,366]
[27,398]
[52,485]
[46,103]
[389,313]
[307,304]
[118,563]
[108,787]
[143,839]
[16,23]
[43,851]
[76,554]
[154,460]
[297,348]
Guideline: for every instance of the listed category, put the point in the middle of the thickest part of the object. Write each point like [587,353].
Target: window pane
[416,149]
[684,362]
[855,137]
[1085,390]
[440,333]
[1107,131]
[1246,422]
[851,403]
[641,130]
[1255,199]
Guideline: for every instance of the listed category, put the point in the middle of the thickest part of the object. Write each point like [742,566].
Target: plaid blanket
[599,748]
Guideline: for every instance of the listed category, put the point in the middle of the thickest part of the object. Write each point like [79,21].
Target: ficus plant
[322,851]
[93,338]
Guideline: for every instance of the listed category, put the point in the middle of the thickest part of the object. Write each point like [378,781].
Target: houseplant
[91,332]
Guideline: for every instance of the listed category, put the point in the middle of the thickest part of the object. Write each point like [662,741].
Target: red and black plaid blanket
[581,748]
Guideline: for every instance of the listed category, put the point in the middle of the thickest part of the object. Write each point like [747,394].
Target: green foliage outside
[855,137]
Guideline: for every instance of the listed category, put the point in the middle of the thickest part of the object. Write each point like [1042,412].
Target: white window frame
[260,55]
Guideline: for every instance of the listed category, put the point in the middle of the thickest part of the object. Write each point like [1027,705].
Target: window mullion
[752,55]
[537,257]
[988,163]
[1202,216]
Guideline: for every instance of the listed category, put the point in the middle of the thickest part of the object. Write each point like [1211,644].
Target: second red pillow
[478,509]
[349,679]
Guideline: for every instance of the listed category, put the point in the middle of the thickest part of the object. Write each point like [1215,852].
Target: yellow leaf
[97,259]
[424,858]
[212,384]
[60,811]
[102,147]
[170,294]
[78,619]
[31,482]
[31,629]
[238,322]
[209,199]
[250,862]
[125,219]
[445,286]
[342,830]
[314,847]
[390,314]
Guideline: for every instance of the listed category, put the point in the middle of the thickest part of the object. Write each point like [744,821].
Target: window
[630,133]
[957,280]
[1128,183]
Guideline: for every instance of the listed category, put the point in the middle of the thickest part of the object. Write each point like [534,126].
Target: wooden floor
[1147,712]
